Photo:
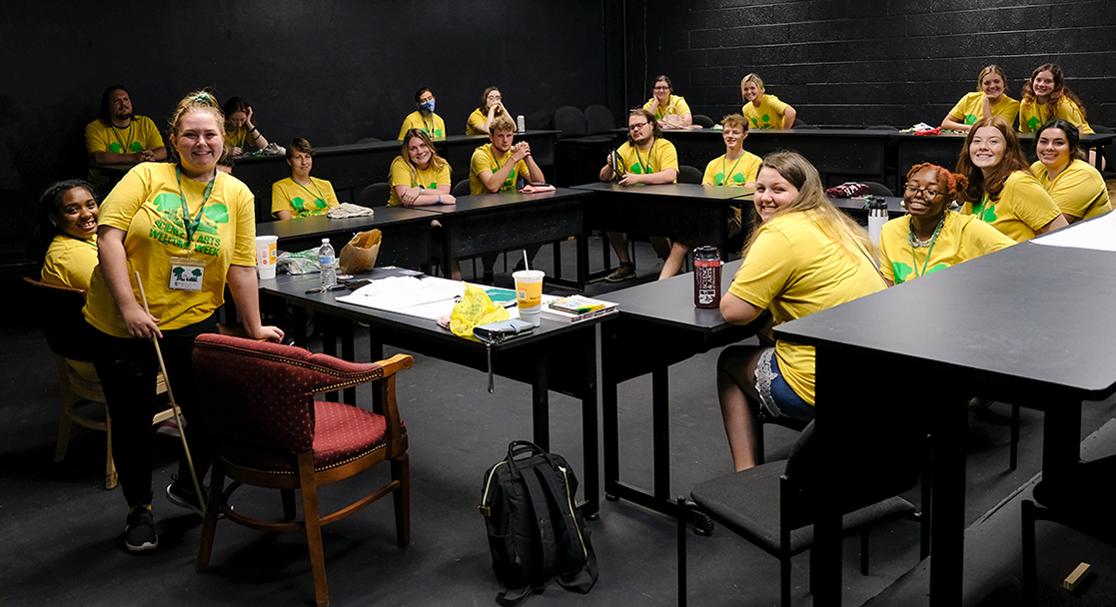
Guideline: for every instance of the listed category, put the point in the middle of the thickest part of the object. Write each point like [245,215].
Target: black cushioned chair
[461,188]
[570,121]
[374,195]
[688,174]
[703,120]
[599,119]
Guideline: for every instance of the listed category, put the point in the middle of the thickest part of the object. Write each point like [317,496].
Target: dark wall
[895,62]
[333,71]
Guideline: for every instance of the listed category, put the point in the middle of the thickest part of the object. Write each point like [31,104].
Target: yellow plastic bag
[475,308]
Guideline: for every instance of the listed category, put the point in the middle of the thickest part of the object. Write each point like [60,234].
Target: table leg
[660,423]
[540,405]
[1061,442]
[610,427]
[947,525]
[589,438]
[825,555]
[582,261]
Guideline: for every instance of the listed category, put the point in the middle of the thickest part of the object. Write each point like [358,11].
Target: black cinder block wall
[863,62]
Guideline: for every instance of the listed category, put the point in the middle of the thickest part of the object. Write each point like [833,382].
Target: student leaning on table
[762,110]
[931,237]
[241,132]
[645,158]
[1001,189]
[735,168]
[1046,97]
[491,107]
[669,109]
[120,137]
[301,195]
[66,234]
[1077,188]
[424,117]
[420,177]
[188,230]
[805,256]
[990,99]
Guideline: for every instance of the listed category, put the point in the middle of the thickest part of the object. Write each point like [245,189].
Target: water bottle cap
[325,241]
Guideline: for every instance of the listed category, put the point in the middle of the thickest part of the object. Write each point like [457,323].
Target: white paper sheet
[1098,234]
[407,295]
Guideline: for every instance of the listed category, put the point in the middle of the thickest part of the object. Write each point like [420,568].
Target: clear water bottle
[328,261]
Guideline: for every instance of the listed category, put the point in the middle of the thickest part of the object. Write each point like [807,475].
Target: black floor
[59,529]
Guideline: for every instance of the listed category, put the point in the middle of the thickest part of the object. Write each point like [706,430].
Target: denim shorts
[777,398]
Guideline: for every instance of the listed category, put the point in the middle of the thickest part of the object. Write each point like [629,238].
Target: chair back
[56,312]
[374,195]
[703,120]
[689,174]
[461,188]
[570,121]
[599,119]
[261,394]
[876,188]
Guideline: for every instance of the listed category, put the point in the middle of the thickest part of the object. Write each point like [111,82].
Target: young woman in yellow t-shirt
[1076,186]
[1002,190]
[187,230]
[66,234]
[1046,96]
[805,256]
[669,109]
[491,106]
[423,117]
[762,110]
[241,132]
[989,99]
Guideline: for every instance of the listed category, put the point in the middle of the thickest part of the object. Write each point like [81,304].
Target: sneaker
[139,532]
[184,496]
[624,272]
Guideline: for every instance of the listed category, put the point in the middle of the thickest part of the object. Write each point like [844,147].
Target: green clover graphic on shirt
[986,211]
[303,207]
[903,271]
[970,118]
[755,122]
[116,148]
[509,183]
[766,119]
[719,178]
[1034,123]
[636,168]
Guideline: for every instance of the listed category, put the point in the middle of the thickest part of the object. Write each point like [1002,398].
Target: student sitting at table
[424,117]
[490,108]
[1046,97]
[420,177]
[498,166]
[1001,189]
[301,195]
[762,110]
[66,234]
[736,168]
[242,132]
[990,99]
[1076,186]
[669,109]
[644,158]
[120,137]
[931,237]
[805,256]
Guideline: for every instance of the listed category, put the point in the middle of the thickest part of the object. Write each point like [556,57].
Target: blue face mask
[427,106]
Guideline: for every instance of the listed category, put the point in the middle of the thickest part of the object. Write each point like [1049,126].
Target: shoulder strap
[544,528]
[583,578]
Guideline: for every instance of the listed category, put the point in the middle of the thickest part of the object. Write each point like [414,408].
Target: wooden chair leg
[401,471]
[287,496]
[312,522]
[214,504]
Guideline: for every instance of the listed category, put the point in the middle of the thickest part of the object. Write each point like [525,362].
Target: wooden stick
[1077,576]
[174,405]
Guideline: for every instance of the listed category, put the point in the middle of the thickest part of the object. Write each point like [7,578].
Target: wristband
[439,199]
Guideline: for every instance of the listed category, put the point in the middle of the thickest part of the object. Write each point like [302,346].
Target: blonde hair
[816,205]
[753,77]
[501,123]
[200,100]
[436,161]
[991,69]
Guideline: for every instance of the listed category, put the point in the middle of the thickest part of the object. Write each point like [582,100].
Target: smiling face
[992,85]
[77,215]
[734,138]
[1043,84]
[923,195]
[1053,148]
[773,192]
[199,142]
[750,91]
[301,163]
[986,150]
[661,90]
[419,153]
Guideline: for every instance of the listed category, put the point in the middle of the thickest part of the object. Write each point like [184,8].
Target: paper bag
[359,255]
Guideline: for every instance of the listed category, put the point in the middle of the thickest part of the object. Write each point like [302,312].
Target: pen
[333,288]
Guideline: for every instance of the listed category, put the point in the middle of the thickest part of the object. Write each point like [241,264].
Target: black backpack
[532,485]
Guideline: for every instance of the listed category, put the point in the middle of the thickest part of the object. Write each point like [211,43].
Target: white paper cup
[265,256]
[528,294]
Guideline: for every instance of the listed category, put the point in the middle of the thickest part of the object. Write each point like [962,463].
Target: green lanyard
[191,225]
[646,167]
[308,191]
[929,251]
[728,175]
[127,133]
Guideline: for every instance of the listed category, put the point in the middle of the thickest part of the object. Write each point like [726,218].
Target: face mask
[427,106]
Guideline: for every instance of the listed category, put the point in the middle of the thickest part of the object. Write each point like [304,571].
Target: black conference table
[556,356]
[406,233]
[352,166]
[1027,325]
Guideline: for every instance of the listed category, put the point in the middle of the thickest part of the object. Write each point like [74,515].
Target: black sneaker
[184,496]
[139,532]
[624,271]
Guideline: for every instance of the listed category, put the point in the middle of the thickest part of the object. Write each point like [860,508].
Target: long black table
[351,167]
[1027,325]
[406,233]
[556,356]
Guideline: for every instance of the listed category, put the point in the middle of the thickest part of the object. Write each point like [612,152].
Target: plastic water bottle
[328,261]
[520,124]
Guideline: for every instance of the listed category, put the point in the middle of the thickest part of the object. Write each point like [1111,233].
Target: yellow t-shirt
[794,269]
[676,106]
[302,201]
[70,262]
[970,109]
[429,178]
[720,171]
[147,205]
[769,114]
[140,135]
[474,122]
[1079,190]
[238,138]
[963,237]
[1033,115]
[484,159]
[1021,208]
[433,125]
[662,156]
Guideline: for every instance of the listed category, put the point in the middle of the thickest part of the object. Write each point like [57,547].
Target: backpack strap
[543,525]
[582,579]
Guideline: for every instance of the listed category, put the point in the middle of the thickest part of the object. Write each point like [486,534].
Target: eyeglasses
[636,127]
[662,88]
[911,189]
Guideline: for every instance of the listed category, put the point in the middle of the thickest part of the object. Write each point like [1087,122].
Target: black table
[944,149]
[1027,325]
[406,233]
[489,223]
[351,167]
[556,356]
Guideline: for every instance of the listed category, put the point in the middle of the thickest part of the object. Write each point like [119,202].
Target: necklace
[918,243]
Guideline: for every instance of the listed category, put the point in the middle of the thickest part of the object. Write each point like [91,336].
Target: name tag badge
[186,274]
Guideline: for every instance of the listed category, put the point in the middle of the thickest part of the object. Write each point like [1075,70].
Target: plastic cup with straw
[528,292]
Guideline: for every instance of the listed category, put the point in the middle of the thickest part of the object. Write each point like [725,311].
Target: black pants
[129,369]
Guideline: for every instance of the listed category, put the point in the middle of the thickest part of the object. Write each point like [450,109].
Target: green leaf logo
[936,268]
[136,147]
[433,185]
[738,178]
[217,212]
[719,179]
[298,203]
[167,203]
[636,168]
[902,271]
[115,148]
[766,118]
[970,118]
[1034,123]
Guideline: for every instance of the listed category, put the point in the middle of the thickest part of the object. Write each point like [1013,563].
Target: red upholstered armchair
[270,432]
